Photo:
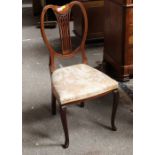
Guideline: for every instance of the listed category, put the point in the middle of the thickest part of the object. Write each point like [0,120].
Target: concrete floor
[88,126]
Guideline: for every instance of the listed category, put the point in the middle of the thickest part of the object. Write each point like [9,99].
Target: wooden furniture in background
[95,13]
[118,38]
[51,15]
[77,83]
[37,7]
[50,19]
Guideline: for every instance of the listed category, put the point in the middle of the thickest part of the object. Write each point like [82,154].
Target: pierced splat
[64,29]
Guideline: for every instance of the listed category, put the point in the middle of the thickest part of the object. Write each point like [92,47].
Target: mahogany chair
[77,83]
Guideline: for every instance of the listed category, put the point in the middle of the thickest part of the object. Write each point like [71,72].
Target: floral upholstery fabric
[80,81]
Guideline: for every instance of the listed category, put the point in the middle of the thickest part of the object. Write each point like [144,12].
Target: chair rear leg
[82,104]
[53,104]
[64,124]
[114,108]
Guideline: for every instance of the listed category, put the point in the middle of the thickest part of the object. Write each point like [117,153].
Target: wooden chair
[77,83]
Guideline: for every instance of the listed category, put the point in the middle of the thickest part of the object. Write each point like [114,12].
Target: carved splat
[64,29]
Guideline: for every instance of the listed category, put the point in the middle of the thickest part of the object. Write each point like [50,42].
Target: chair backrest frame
[63,17]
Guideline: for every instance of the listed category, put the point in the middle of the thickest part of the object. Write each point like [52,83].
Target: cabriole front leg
[64,124]
[114,108]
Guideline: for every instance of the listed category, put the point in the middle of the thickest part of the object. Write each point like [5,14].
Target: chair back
[62,14]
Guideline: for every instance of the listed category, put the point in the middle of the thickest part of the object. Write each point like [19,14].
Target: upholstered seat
[79,82]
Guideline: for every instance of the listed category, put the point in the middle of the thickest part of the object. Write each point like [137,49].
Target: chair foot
[53,105]
[114,128]
[82,104]
[65,146]
[64,124]
[114,109]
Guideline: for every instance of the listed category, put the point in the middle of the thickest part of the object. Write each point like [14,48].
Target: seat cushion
[79,82]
